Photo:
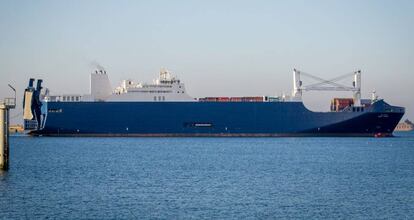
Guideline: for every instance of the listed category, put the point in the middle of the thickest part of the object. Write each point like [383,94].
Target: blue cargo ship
[163,108]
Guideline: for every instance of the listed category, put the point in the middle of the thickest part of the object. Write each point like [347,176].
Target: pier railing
[10,103]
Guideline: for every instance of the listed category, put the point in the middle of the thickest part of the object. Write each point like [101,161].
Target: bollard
[4,137]
[5,106]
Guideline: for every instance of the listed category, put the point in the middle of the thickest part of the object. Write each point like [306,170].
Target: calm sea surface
[219,178]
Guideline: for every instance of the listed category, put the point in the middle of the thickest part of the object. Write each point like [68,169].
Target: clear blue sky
[218,48]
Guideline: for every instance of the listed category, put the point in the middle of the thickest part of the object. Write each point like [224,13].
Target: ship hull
[214,119]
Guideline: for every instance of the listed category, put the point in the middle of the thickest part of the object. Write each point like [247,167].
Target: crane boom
[327,85]
[351,89]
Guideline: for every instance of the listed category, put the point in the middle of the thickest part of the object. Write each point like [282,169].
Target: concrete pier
[4,132]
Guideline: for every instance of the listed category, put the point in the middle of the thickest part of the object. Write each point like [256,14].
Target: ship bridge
[165,88]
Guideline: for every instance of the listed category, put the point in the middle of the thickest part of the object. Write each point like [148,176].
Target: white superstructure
[165,88]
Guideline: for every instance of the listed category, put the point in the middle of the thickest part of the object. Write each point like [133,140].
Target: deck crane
[327,85]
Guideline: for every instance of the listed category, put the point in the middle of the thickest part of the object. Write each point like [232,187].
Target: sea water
[209,178]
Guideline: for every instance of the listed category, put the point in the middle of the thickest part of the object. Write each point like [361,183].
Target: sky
[217,48]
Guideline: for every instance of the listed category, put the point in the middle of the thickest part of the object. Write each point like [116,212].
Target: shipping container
[339,104]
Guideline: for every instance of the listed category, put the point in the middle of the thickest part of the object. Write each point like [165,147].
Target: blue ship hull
[214,119]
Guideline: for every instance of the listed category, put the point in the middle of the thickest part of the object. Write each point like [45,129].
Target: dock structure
[5,106]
